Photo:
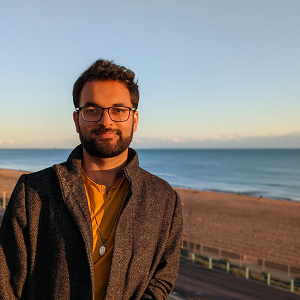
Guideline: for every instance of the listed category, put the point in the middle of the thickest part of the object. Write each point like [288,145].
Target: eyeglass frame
[79,109]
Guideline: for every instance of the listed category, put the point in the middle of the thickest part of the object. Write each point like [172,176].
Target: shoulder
[39,177]
[52,173]
[152,181]
[145,182]
[37,184]
[153,193]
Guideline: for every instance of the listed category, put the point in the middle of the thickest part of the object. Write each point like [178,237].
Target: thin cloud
[176,140]
[280,141]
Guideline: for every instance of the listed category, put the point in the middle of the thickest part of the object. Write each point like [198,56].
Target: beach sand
[265,229]
[8,180]
[268,229]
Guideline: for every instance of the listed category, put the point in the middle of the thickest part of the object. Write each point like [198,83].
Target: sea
[270,173]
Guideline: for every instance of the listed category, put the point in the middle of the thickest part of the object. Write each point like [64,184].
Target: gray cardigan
[46,237]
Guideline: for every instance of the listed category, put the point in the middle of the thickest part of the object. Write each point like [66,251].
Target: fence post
[4,201]
[247,273]
[292,285]
[227,267]
[268,278]
[240,262]
[210,263]
[193,258]
[188,234]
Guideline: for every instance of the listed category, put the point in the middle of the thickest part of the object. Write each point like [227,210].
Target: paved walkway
[275,272]
[216,284]
[174,296]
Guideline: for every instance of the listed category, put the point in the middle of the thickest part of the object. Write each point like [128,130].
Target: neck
[104,171]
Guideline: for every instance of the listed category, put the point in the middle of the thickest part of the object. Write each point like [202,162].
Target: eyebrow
[119,104]
[95,105]
[90,104]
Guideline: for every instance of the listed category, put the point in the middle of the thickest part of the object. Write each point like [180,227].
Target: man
[97,226]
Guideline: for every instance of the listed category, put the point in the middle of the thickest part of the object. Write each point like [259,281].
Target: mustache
[105,130]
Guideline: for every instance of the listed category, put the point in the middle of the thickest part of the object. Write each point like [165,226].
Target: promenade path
[216,284]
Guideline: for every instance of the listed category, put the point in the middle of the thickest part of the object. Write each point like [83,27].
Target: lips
[106,135]
[106,132]
[103,130]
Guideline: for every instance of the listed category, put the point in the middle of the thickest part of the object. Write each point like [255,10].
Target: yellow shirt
[106,206]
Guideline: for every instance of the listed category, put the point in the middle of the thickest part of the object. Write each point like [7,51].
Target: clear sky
[212,74]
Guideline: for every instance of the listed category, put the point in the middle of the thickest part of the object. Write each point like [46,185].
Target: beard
[103,147]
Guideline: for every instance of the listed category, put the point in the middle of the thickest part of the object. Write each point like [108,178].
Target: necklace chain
[98,226]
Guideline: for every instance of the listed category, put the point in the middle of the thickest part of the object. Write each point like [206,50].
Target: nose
[105,120]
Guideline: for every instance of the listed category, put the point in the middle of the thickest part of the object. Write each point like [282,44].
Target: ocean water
[269,173]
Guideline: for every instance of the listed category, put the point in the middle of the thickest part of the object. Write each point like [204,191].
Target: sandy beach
[8,180]
[264,228]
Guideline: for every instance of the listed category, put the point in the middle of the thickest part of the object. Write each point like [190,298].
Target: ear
[135,120]
[76,120]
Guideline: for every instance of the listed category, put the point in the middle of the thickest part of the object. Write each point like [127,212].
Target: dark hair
[104,70]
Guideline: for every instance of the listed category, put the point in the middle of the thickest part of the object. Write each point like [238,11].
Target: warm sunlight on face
[105,138]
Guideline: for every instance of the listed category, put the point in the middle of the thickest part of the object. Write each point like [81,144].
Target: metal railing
[222,264]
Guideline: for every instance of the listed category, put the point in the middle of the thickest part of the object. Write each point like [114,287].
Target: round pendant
[102,251]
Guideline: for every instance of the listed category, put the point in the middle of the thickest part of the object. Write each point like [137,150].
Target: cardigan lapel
[74,195]
[123,239]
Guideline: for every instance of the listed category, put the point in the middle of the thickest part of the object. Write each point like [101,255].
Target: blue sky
[212,74]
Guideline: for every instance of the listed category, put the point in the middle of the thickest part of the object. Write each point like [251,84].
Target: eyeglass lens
[94,114]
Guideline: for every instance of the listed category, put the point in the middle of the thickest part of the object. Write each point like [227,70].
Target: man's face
[105,138]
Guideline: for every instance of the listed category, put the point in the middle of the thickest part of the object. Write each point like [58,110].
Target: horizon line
[159,148]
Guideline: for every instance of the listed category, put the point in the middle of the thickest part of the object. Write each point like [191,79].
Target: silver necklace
[102,249]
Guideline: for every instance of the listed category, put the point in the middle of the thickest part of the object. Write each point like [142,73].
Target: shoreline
[235,193]
[260,228]
[15,174]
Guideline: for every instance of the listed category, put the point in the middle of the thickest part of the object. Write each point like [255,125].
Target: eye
[118,110]
[91,110]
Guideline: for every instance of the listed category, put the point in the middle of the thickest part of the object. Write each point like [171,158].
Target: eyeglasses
[95,113]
